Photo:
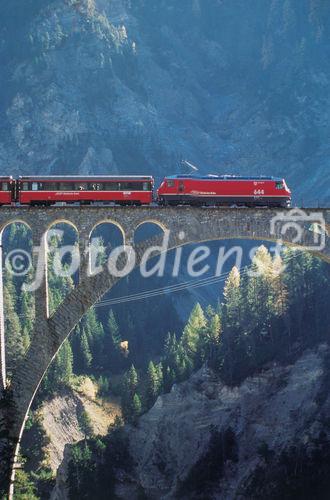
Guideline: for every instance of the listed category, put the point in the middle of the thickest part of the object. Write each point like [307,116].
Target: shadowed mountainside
[122,86]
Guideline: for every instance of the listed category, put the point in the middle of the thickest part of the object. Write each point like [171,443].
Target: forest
[270,311]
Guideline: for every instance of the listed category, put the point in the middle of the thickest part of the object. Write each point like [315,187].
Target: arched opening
[62,262]
[148,229]
[104,238]
[19,305]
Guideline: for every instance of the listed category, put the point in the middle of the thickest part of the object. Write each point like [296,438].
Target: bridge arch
[6,224]
[152,226]
[58,221]
[156,222]
[110,222]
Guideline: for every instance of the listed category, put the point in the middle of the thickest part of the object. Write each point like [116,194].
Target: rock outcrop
[60,417]
[267,438]
[61,414]
[207,440]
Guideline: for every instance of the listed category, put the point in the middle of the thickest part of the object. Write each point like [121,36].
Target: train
[138,190]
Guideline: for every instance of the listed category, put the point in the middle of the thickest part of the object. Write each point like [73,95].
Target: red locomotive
[122,190]
[226,190]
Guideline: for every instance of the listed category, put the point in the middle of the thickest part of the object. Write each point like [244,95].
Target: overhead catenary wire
[174,288]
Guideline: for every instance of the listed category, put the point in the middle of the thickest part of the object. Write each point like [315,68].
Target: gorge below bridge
[185,225]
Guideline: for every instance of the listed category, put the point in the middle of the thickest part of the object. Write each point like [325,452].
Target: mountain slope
[107,86]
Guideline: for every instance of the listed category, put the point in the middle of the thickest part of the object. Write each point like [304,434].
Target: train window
[51,186]
[145,186]
[5,186]
[66,186]
[34,186]
[279,185]
[132,186]
[170,183]
[25,186]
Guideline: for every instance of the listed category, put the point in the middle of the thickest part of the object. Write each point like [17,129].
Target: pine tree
[266,297]
[129,387]
[259,293]
[160,377]
[231,356]
[231,308]
[95,336]
[63,364]
[170,346]
[79,469]
[169,378]
[212,339]
[193,331]
[132,380]
[183,364]
[114,329]
[85,355]
[136,408]
[113,356]
[61,370]
[279,289]
[152,384]
[28,313]
[25,488]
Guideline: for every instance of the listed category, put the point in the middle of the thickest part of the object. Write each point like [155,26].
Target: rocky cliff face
[134,86]
[267,438]
[60,417]
[206,440]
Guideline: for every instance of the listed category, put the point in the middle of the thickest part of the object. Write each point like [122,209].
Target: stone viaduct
[186,225]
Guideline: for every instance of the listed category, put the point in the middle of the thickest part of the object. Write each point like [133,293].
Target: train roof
[86,177]
[226,177]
